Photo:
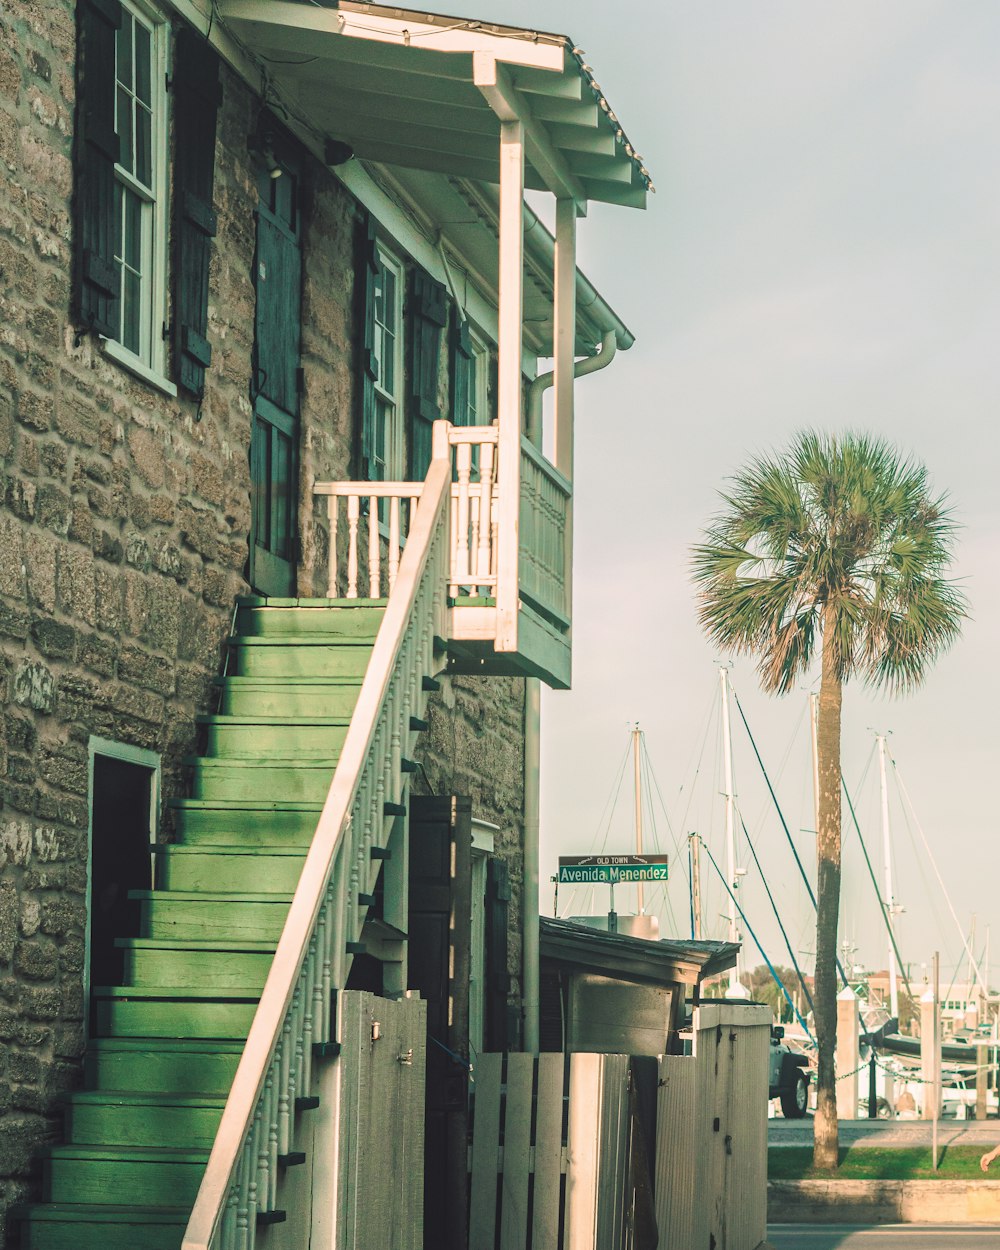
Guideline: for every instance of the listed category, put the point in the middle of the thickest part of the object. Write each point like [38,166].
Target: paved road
[884,1237]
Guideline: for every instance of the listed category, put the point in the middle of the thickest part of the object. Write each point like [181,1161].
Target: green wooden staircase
[165,1044]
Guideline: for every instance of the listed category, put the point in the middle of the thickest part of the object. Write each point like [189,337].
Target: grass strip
[872,1163]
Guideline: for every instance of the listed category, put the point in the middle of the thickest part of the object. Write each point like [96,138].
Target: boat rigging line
[774,908]
[944,889]
[878,892]
[784,823]
[778,981]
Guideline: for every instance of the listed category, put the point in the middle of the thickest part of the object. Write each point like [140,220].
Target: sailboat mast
[890,902]
[735,984]
[636,755]
[694,850]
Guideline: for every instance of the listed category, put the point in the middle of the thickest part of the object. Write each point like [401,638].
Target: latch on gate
[406,1057]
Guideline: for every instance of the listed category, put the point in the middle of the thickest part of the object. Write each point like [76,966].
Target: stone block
[54,638]
[36,960]
[62,916]
[54,508]
[34,686]
[12,563]
[40,1002]
[8,921]
[77,592]
[14,623]
[35,411]
[149,671]
[40,563]
[96,654]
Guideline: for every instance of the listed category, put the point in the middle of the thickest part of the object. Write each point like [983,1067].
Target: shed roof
[668,960]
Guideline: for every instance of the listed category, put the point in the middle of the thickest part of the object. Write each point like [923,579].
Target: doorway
[124,790]
[276,381]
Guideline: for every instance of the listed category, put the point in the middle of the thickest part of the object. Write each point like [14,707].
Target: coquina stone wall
[123,543]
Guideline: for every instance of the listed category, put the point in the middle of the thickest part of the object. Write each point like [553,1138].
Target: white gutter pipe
[538,387]
[533,737]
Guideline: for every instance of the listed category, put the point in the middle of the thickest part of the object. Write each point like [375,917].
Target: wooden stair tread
[243,718]
[314,639]
[197,1044]
[64,1212]
[207,896]
[222,945]
[221,848]
[274,601]
[185,993]
[269,683]
[329,762]
[249,805]
[126,1154]
[136,1098]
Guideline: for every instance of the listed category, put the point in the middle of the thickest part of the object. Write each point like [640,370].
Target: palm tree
[836,545]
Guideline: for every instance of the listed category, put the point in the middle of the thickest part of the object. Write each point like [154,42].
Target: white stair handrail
[320,916]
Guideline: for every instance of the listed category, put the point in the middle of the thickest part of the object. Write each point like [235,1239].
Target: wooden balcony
[510,538]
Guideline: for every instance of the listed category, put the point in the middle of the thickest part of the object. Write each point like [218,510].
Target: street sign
[611,869]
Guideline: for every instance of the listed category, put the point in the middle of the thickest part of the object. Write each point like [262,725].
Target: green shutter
[461,361]
[197,97]
[429,306]
[96,276]
[366,270]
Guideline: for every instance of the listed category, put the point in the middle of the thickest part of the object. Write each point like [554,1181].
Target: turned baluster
[485,510]
[393,540]
[374,570]
[464,457]
[353,511]
[332,508]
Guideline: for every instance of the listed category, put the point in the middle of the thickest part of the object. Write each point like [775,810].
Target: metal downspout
[533,740]
[539,385]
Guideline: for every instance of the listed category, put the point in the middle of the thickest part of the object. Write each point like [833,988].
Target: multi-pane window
[387,432]
[471,383]
[140,120]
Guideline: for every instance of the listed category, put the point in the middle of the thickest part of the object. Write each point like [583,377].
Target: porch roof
[633,959]
[424,91]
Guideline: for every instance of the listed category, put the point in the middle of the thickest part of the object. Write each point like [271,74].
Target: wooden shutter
[367,269]
[497,977]
[439,929]
[96,276]
[197,96]
[461,356]
[430,314]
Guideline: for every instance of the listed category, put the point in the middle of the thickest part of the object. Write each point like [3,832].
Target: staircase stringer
[297,1011]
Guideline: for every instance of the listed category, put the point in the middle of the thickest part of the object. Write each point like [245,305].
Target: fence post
[848,1054]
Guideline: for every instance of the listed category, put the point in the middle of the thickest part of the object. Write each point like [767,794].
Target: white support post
[564,316]
[848,1054]
[509,378]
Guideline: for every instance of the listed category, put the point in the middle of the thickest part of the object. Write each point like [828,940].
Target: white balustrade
[379,514]
[311,960]
[474,510]
[543,557]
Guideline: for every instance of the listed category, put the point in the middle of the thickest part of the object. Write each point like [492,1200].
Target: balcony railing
[510,552]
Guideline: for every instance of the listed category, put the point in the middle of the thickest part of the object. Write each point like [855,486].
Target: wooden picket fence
[549,1152]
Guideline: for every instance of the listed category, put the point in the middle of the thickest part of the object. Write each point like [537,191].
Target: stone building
[247,248]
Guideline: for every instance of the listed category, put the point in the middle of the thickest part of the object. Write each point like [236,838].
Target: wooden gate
[549,1152]
[711,1133]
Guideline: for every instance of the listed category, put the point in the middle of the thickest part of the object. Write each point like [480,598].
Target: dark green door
[274,443]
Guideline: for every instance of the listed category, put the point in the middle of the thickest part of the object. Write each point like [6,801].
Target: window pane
[123,51]
[143,144]
[142,63]
[130,311]
[123,122]
[388,363]
[132,231]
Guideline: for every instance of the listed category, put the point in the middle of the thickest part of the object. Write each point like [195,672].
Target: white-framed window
[476,366]
[141,52]
[388,442]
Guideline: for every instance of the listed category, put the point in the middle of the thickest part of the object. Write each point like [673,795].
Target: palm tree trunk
[825,1139]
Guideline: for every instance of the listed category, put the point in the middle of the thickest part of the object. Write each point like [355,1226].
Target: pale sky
[823,250]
